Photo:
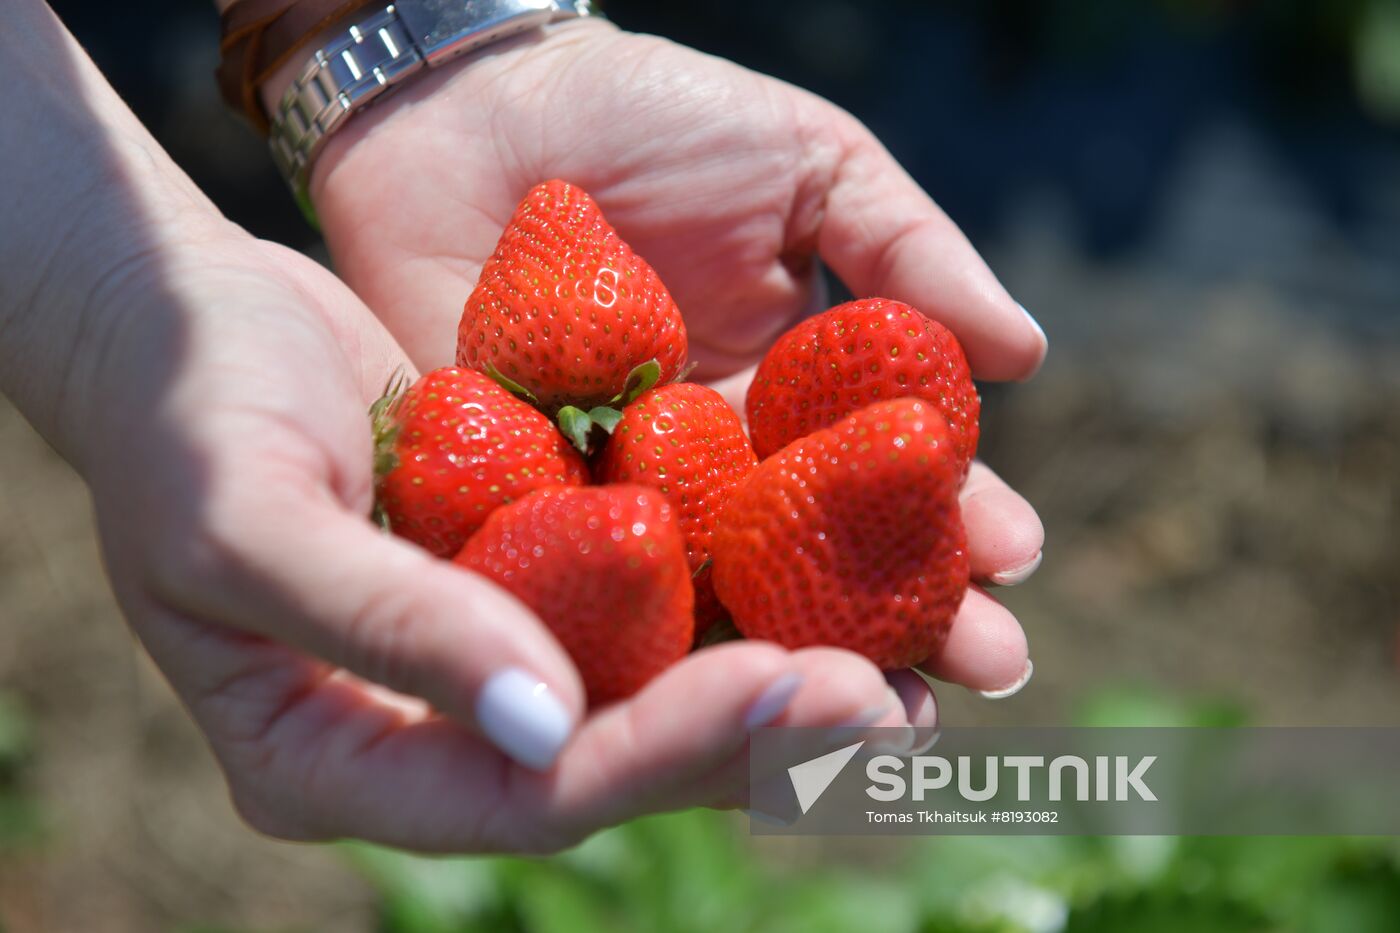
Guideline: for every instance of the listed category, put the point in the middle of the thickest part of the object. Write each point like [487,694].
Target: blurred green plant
[1377,59]
[699,871]
[19,822]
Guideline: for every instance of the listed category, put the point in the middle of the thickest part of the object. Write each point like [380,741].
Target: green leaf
[427,895]
[510,385]
[605,417]
[642,377]
[1157,911]
[16,734]
[308,211]
[558,902]
[1361,896]
[576,426]
[1144,707]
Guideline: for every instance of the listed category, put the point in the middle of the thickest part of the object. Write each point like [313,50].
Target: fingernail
[841,733]
[1034,323]
[917,697]
[1017,574]
[930,738]
[523,718]
[772,701]
[895,740]
[921,704]
[1044,342]
[1015,688]
[873,714]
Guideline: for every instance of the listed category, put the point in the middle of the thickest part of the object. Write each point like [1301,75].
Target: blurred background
[1199,199]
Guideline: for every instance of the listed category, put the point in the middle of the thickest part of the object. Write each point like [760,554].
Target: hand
[232,482]
[212,391]
[731,184]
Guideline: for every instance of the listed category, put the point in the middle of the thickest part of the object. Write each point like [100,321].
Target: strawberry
[455,446]
[685,440]
[850,536]
[565,313]
[604,567]
[855,354]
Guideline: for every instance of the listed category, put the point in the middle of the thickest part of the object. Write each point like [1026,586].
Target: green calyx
[511,386]
[642,377]
[579,425]
[384,425]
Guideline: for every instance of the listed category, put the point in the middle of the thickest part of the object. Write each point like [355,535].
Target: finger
[986,647]
[313,576]
[683,740]
[1004,534]
[916,695]
[836,698]
[885,237]
[735,388]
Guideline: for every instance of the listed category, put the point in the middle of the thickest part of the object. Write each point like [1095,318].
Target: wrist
[460,92]
[93,199]
[370,56]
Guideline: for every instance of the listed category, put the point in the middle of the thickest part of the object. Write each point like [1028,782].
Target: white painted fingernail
[772,701]
[523,718]
[1034,323]
[1015,688]
[1017,574]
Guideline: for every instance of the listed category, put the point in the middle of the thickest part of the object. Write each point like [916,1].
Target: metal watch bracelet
[380,51]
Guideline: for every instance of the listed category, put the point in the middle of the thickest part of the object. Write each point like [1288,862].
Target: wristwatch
[380,51]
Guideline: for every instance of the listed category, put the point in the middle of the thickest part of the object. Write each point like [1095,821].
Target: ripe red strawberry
[851,537]
[455,446]
[565,310]
[604,567]
[686,441]
[851,356]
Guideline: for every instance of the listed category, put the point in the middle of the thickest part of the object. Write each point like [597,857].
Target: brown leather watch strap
[259,36]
